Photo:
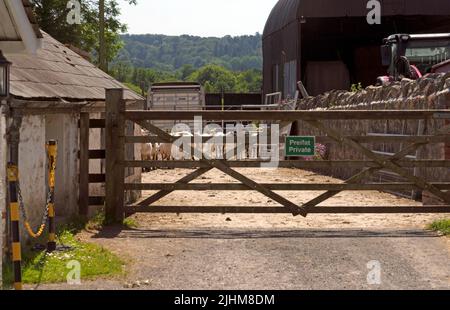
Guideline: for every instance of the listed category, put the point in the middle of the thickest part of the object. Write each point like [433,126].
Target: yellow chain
[32,233]
[51,152]
[28,228]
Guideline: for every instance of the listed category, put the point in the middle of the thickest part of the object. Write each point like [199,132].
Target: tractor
[414,55]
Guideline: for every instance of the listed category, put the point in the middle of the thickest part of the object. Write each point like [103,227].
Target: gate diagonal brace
[169,139]
[296,210]
[161,194]
[387,164]
[157,131]
[358,177]
[329,194]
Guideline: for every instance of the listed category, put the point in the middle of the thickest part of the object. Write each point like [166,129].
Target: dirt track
[275,251]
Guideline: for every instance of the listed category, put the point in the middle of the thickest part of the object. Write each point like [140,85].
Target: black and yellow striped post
[13,173]
[52,149]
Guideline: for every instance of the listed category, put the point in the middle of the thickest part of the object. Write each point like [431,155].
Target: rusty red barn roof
[56,72]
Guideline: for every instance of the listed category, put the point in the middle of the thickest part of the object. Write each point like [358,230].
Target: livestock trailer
[176,96]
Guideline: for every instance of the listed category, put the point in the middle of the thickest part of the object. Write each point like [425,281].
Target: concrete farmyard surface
[203,251]
[302,259]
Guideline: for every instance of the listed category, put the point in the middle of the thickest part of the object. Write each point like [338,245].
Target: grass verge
[95,261]
[42,267]
[53,267]
[442,226]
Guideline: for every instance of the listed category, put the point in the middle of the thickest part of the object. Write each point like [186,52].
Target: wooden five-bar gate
[116,139]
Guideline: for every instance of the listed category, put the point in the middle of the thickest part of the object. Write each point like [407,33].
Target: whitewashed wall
[64,129]
[32,167]
[35,131]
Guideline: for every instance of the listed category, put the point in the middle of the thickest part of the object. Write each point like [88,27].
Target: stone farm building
[50,87]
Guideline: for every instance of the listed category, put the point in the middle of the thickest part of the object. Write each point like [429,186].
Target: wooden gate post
[115,155]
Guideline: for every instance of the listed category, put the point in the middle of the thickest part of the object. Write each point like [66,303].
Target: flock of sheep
[169,151]
[160,151]
[211,150]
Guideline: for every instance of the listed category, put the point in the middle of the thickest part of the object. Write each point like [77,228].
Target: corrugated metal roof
[288,11]
[57,72]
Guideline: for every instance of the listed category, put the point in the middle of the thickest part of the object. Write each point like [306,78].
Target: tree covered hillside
[167,53]
[230,64]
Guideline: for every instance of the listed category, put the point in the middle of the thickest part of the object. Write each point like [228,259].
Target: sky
[205,18]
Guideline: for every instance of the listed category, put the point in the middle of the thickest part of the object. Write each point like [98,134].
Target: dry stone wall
[430,92]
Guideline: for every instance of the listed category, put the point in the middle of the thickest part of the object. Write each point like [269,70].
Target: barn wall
[326,30]
[278,49]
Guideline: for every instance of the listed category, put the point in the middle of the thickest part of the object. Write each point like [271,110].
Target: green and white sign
[300,146]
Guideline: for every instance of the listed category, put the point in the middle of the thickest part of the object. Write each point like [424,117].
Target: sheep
[155,151]
[147,151]
[180,152]
[252,147]
[219,150]
[165,151]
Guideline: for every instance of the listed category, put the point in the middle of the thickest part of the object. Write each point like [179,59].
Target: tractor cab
[412,56]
